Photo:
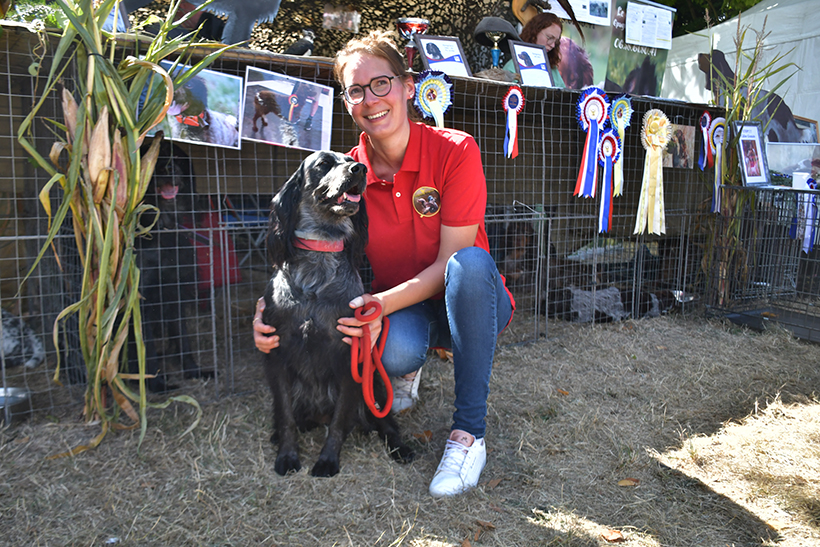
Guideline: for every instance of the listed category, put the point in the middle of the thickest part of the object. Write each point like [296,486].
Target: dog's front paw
[325,468]
[403,454]
[287,463]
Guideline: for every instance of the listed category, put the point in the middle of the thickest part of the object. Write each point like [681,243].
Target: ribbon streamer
[706,159]
[608,155]
[810,231]
[433,95]
[513,104]
[717,131]
[655,135]
[621,118]
[593,110]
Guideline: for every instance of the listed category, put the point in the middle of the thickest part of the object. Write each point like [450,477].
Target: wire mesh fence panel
[545,240]
[766,268]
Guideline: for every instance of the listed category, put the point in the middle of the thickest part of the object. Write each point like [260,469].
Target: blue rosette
[609,152]
[593,111]
[706,158]
[513,103]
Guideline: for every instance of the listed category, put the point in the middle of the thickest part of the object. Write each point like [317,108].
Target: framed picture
[286,111]
[681,148]
[531,64]
[809,128]
[750,153]
[442,53]
[205,110]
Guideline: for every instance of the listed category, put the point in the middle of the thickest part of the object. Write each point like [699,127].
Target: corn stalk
[744,99]
[98,175]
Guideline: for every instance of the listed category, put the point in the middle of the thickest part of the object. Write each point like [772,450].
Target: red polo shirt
[441,181]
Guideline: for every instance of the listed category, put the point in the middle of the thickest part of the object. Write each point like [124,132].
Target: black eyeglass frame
[345,91]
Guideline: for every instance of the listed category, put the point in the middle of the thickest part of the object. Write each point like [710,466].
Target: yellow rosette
[433,95]
[655,135]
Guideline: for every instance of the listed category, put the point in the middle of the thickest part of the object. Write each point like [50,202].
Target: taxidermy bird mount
[303,46]
[242,16]
[524,10]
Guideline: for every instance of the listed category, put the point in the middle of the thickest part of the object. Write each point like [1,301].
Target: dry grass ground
[719,427]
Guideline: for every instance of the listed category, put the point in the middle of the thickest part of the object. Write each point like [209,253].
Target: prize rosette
[593,110]
[717,130]
[655,136]
[620,118]
[293,101]
[809,202]
[433,95]
[706,159]
[609,152]
[513,104]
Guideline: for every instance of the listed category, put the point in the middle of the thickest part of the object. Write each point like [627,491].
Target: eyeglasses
[379,86]
[549,39]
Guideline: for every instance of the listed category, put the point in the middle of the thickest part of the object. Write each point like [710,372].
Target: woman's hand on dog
[263,335]
[350,326]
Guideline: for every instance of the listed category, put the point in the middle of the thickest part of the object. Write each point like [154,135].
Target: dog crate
[766,267]
[541,236]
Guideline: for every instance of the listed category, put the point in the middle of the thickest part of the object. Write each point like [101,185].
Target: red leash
[368,360]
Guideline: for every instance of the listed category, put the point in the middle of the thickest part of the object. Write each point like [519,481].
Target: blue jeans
[475,309]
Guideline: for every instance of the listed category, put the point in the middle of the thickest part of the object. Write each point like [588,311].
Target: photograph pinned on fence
[681,148]
[286,111]
[531,64]
[809,129]
[205,110]
[442,53]
[750,153]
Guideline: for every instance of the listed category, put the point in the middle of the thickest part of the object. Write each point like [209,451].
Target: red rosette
[514,100]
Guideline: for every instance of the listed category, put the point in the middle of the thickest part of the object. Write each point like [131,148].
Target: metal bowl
[12,396]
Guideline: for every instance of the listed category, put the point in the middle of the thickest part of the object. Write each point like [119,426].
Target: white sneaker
[459,469]
[405,393]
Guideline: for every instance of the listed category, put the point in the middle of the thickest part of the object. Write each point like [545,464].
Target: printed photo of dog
[319,207]
[205,109]
[286,111]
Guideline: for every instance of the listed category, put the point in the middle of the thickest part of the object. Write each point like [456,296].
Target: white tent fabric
[795,34]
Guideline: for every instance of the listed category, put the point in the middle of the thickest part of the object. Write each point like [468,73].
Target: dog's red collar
[321,245]
[195,121]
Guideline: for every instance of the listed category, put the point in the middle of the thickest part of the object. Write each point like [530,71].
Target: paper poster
[633,69]
[594,12]
[286,111]
[648,25]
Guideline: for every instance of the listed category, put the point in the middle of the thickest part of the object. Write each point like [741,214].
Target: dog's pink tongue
[352,198]
[169,191]
[175,109]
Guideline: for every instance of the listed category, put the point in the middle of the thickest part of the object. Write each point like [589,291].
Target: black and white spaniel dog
[316,240]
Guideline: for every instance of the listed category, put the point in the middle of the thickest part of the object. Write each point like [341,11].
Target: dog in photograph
[773,113]
[316,240]
[192,120]
[433,52]
[575,66]
[167,261]
[20,345]
[264,103]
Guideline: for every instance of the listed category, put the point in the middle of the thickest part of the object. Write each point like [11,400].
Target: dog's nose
[358,168]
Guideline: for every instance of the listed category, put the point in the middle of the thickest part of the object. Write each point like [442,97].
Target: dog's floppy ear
[356,245]
[284,218]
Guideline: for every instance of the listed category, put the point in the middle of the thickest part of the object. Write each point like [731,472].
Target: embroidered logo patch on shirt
[426,201]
